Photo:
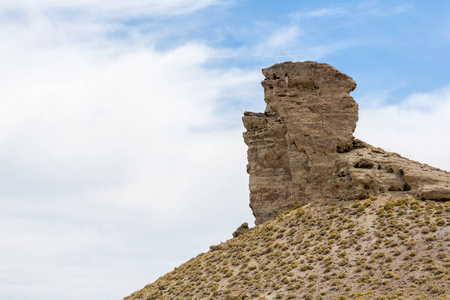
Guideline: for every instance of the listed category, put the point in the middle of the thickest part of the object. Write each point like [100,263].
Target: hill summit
[336,218]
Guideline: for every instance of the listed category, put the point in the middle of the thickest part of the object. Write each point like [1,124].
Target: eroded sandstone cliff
[302,149]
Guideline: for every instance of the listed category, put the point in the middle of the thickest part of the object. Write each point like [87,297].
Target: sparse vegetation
[370,249]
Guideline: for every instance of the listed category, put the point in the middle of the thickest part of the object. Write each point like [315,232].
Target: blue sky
[121,149]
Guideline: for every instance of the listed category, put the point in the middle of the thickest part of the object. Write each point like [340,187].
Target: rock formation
[302,149]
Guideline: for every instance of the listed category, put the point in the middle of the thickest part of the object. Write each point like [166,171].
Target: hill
[386,247]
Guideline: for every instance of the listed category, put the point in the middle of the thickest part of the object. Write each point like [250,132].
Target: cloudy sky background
[121,150]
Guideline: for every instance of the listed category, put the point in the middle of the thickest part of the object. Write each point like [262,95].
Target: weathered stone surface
[241,230]
[302,149]
[370,171]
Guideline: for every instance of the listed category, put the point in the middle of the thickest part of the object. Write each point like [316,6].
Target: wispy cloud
[114,8]
[402,8]
[363,9]
[386,11]
[323,12]
[283,36]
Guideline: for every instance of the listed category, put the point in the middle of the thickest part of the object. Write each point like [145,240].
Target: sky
[121,149]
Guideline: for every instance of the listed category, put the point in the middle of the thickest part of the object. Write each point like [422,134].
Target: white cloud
[283,36]
[106,154]
[416,128]
[111,8]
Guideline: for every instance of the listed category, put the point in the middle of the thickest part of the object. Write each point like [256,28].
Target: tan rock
[302,149]
[241,230]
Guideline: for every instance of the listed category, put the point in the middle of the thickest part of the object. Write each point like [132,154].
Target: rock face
[302,149]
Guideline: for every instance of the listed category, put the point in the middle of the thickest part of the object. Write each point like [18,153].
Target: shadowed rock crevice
[302,149]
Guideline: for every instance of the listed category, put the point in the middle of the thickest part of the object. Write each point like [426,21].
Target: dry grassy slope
[385,248]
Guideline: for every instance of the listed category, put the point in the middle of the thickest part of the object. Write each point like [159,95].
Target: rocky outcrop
[241,230]
[302,149]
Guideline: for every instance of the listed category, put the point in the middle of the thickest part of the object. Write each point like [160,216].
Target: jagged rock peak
[313,99]
[302,149]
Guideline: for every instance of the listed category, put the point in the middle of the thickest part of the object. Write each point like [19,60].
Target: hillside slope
[389,246]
